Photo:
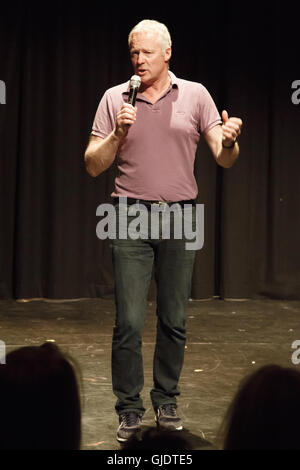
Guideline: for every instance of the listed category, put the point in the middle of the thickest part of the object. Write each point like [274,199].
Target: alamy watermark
[296,94]
[161,226]
[296,354]
[2,92]
[2,352]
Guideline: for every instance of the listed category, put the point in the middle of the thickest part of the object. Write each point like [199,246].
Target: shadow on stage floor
[225,341]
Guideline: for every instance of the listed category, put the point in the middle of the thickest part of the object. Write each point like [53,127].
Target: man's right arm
[100,153]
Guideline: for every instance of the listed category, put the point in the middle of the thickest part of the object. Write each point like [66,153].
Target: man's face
[147,58]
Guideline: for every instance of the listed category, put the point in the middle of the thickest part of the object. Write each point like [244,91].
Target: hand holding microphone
[127,114]
[135,83]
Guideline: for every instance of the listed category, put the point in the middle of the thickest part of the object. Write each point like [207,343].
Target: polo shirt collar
[174,82]
[174,79]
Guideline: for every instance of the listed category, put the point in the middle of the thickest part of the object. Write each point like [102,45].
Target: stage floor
[225,341]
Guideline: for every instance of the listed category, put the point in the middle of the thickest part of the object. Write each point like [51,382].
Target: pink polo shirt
[156,159]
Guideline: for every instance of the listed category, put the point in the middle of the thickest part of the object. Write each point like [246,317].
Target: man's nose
[141,58]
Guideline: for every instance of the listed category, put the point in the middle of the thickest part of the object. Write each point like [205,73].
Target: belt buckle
[160,204]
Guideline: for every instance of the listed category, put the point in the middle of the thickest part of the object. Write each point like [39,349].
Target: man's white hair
[152,26]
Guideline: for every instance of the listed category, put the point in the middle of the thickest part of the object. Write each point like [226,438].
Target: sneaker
[130,426]
[166,417]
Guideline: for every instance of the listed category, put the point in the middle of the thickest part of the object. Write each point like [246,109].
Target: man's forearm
[100,155]
[227,156]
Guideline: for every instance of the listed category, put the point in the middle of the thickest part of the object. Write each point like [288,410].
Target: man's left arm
[222,140]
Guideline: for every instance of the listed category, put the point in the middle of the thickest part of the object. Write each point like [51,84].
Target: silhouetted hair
[40,400]
[157,440]
[265,411]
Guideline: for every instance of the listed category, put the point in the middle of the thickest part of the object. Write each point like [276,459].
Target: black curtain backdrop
[57,60]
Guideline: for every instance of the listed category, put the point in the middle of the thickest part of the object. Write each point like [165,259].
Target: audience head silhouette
[40,400]
[265,412]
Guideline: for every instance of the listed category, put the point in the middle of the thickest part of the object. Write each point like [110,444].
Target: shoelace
[130,418]
[169,409]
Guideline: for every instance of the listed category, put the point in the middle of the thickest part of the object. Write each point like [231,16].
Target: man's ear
[168,54]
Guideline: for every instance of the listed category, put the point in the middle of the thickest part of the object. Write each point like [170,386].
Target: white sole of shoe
[179,428]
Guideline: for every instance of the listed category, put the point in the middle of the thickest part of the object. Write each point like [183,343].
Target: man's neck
[155,90]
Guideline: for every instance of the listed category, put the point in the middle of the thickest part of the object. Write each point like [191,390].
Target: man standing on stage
[155,144]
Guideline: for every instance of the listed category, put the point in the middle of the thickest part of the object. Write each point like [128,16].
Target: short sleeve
[104,121]
[209,115]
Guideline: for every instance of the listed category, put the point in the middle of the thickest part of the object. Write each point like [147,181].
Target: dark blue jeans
[133,261]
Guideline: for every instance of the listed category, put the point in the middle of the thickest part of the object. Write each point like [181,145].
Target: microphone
[135,83]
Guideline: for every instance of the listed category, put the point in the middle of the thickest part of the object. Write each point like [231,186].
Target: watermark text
[2,92]
[2,352]
[296,94]
[160,221]
[296,353]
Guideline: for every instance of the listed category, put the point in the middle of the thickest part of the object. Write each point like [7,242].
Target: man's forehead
[142,39]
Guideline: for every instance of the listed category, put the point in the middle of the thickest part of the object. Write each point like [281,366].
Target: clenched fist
[231,129]
[125,118]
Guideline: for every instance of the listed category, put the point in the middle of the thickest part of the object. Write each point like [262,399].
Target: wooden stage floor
[225,341]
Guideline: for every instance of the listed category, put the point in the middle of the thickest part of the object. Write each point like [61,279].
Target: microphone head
[135,82]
